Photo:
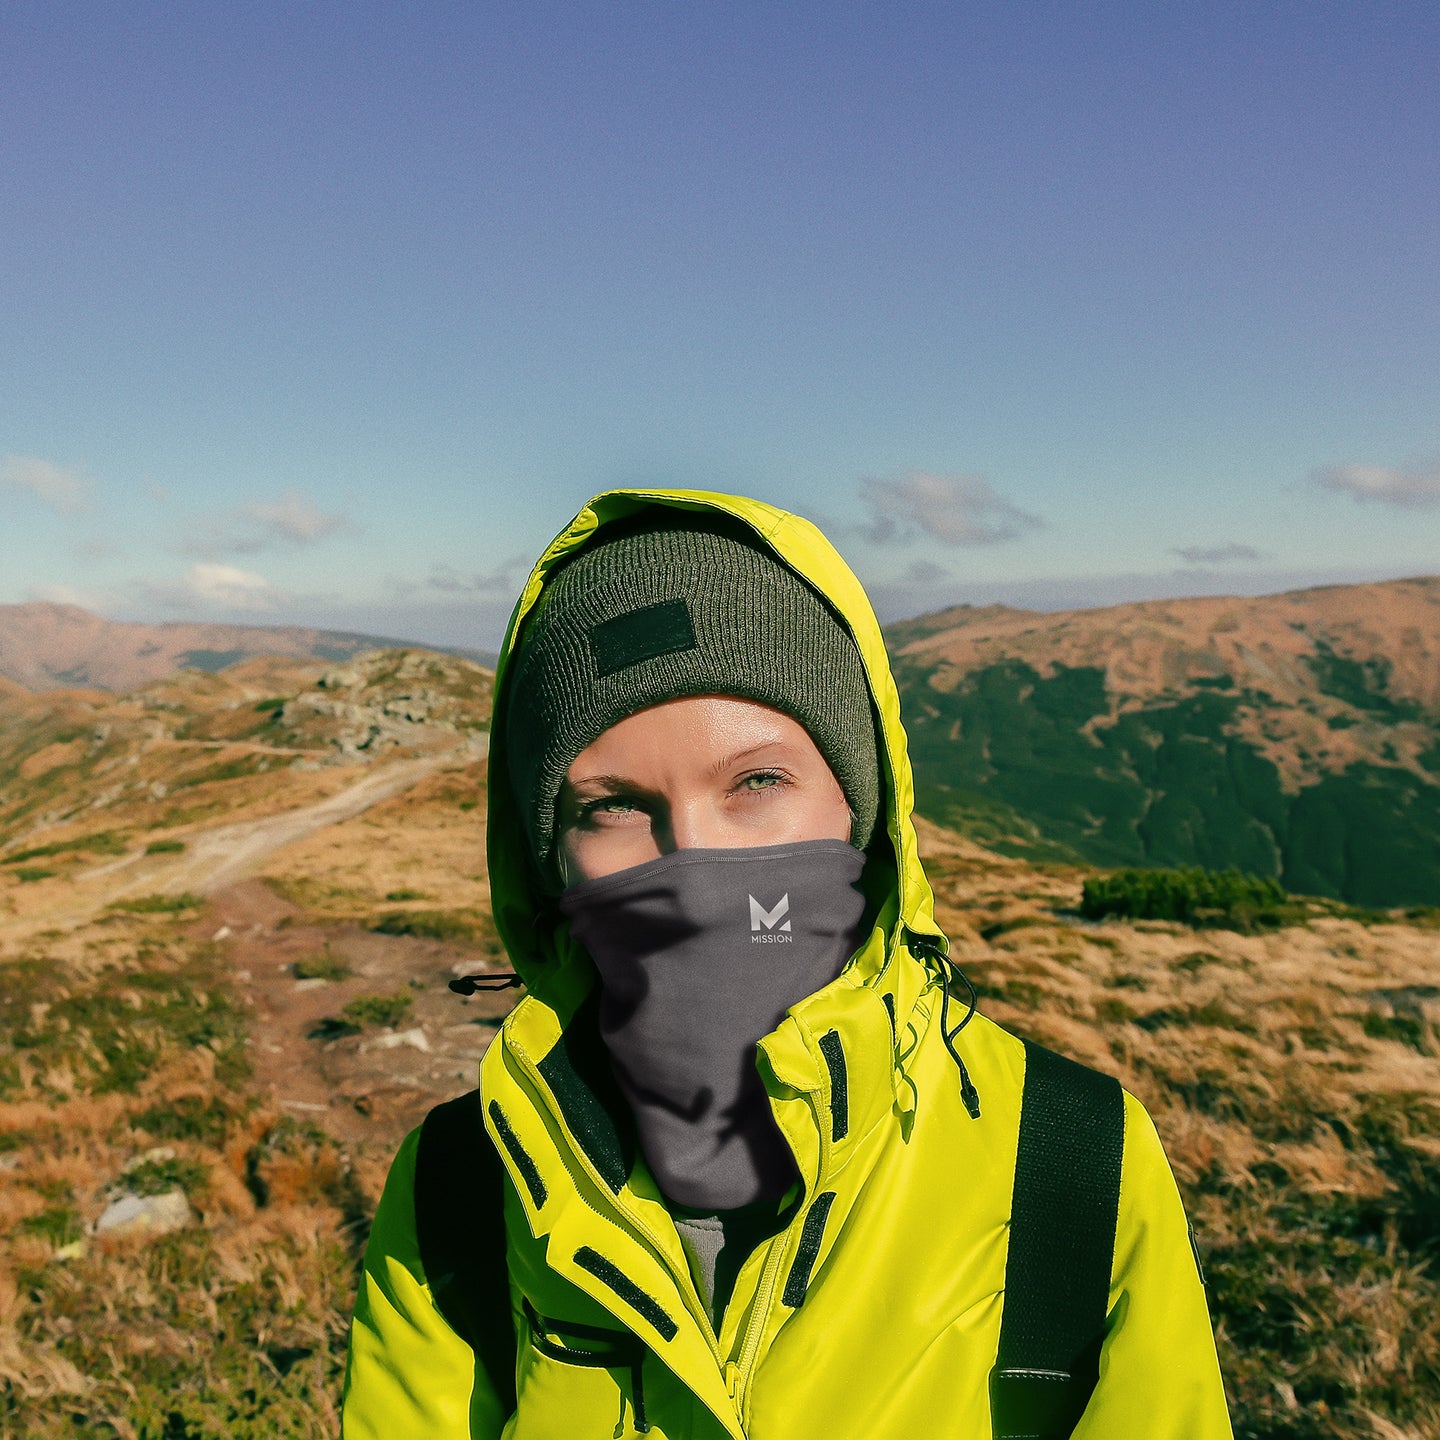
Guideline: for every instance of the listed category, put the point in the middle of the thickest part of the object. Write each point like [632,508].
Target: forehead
[693,734]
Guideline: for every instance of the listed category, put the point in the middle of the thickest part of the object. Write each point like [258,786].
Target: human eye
[758,781]
[607,805]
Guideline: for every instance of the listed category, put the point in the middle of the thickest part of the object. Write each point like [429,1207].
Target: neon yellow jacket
[888,1328]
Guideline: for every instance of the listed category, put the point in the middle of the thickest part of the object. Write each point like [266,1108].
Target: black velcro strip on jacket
[643,634]
[584,1087]
[460,1229]
[1062,1246]
[834,1053]
[811,1234]
[529,1171]
[608,1273]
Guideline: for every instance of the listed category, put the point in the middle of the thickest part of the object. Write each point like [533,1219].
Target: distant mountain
[52,647]
[86,772]
[1294,735]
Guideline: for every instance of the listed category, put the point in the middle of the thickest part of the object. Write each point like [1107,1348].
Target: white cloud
[64,490]
[1408,489]
[1216,554]
[67,595]
[954,509]
[503,582]
[294,519]
[926,572]
[211,586]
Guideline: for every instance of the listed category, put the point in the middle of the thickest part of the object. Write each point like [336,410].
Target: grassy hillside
[1017,759]
[1282,738]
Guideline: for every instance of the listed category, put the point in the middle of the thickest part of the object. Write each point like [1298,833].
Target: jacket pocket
[591,1347]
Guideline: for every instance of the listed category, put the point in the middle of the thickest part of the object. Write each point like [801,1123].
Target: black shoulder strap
[1062,1247]
[460,1224]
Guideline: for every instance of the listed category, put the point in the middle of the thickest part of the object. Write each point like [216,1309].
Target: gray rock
[145,1214]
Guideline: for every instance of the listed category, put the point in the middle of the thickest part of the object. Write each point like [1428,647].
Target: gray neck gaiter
[700,954]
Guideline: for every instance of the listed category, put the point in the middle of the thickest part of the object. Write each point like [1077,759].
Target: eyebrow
[726,761]
[625,782]
[614,782]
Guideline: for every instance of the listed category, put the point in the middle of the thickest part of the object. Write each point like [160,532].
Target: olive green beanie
[650,613]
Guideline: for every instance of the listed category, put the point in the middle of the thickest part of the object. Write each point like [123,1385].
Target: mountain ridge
[1295,735]
[48,646]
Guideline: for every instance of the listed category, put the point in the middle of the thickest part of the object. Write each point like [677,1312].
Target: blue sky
[335,313]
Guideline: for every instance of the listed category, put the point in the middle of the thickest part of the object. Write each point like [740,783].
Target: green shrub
[1194,897]
[106,842]
[28,874]
[188,1118]
[378,1009]
[238,769]
[113,1045]
[60,1225]
[165,847]
[363,1011]
[320,967]
[1112,1010]
[431,924]
[158,904]
[405,895]
[156,1177]
[1408,1028]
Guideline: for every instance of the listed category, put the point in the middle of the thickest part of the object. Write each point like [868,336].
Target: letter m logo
[759,915]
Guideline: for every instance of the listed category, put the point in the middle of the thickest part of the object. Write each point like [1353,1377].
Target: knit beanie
[690,606]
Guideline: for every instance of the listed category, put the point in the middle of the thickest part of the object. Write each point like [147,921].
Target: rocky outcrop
[393,699]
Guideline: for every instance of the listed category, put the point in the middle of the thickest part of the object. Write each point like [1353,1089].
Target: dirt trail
[249,747]
[372,1086]
[216,858]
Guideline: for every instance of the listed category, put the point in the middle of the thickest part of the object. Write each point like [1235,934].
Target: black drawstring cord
[637,1396]
[626,1350]
[949,972]
[469,984]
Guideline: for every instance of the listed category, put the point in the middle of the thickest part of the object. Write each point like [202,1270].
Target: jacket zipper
[766,1289]
[573,1154]
[778,1249]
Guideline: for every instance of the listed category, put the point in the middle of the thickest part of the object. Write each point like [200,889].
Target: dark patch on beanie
[643,634]
[695,606]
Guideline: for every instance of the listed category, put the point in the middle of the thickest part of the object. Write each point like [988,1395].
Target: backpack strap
[460,1225]
[1062,1247]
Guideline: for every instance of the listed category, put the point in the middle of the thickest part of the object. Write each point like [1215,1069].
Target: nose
[693,826]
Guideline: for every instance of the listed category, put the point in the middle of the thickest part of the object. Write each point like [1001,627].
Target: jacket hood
[528,922]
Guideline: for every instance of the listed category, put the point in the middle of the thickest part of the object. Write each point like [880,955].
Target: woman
[759,1174]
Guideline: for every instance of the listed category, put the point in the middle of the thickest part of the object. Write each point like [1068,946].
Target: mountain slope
[87,774]
[1295,735]
[50,647]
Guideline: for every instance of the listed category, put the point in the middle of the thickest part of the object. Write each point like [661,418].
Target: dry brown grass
[1293,1076]
[1295,1079]
[125,1043]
